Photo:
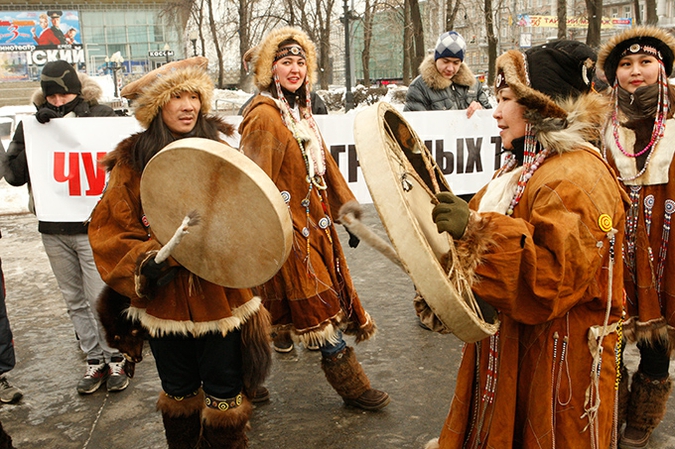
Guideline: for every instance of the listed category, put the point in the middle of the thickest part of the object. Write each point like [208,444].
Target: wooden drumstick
[191,219]
[364,233]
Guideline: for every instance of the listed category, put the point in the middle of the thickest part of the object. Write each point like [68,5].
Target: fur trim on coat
[433,79]
[156,95]
[263,55]
[91,91]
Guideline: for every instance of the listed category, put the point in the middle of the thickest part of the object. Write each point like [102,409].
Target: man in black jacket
[65,93]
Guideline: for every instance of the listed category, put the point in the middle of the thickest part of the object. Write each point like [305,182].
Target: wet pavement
[416,367]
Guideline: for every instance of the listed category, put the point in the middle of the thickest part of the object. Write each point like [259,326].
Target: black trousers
[7,359]
[654,360]
[212,362]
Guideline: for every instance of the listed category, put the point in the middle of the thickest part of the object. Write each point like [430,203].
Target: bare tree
[636,7]
[451,10]
[418,34]
[491,40]
[367,23]
[594,10]
[650,12]
[562,19]
[407,39]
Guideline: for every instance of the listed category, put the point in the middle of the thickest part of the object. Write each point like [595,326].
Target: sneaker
[282,342]
[96,374]
[117,375]
[9,394]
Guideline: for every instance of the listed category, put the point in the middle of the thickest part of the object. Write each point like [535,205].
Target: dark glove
[353,239]
[160,274]
[43,115]
[451,214]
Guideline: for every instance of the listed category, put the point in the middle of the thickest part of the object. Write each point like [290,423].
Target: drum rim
[428,275]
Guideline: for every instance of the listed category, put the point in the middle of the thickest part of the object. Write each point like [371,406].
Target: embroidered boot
[181,417]
[646,409]
[225,422]
[345,374]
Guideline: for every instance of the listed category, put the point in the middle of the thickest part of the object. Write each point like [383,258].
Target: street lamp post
[349,97]
[167,49]
[114,63]
[193,38]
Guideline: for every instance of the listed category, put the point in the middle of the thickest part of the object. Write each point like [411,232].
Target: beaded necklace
[314,158]
[532,160]
[659,129]
[315,161]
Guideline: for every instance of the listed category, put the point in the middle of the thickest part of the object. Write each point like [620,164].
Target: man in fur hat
[445,82]
[542,247]
[210,343]
[67,93]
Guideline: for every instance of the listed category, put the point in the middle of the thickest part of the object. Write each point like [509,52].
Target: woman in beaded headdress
[542,240]
[312,299]
[640,144]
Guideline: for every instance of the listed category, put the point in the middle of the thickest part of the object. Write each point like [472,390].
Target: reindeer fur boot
[225,422]
[646,409]
[623,395]
[345,374]
[182,419]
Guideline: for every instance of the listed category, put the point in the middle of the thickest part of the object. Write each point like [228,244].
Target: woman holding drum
[312,296]
[545,233]
[200,333]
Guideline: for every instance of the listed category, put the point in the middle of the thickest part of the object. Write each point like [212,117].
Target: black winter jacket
[16,166]
[431,91]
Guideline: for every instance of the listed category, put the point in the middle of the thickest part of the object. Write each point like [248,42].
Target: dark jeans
[7,359]
[654,360]
[212,362]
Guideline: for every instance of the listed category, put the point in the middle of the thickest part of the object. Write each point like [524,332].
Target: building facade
[128,37]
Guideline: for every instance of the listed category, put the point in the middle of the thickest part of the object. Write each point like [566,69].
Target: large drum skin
[244,233]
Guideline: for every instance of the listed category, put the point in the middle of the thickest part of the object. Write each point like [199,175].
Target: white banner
[67,182]
[63,156]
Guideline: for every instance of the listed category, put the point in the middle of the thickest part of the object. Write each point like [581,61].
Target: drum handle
[191,219]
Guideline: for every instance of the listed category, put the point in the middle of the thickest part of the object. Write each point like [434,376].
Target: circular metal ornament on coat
[244,233]
[391,156]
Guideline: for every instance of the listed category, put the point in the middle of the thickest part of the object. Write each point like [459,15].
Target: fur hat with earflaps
[639,40]
[154,90]
[553,82]
[264,55]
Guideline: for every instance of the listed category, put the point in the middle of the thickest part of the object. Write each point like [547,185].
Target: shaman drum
[244,234]
[402,179]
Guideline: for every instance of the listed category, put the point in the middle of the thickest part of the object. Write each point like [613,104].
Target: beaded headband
[637,48]
[290,50]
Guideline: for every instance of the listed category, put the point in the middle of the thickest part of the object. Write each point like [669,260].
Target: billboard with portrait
[30,39]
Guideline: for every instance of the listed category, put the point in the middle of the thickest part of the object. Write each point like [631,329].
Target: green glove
[451,214]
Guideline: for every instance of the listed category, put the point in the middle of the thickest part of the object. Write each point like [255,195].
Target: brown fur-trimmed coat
[188,305]
[312,293]
[547,274]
